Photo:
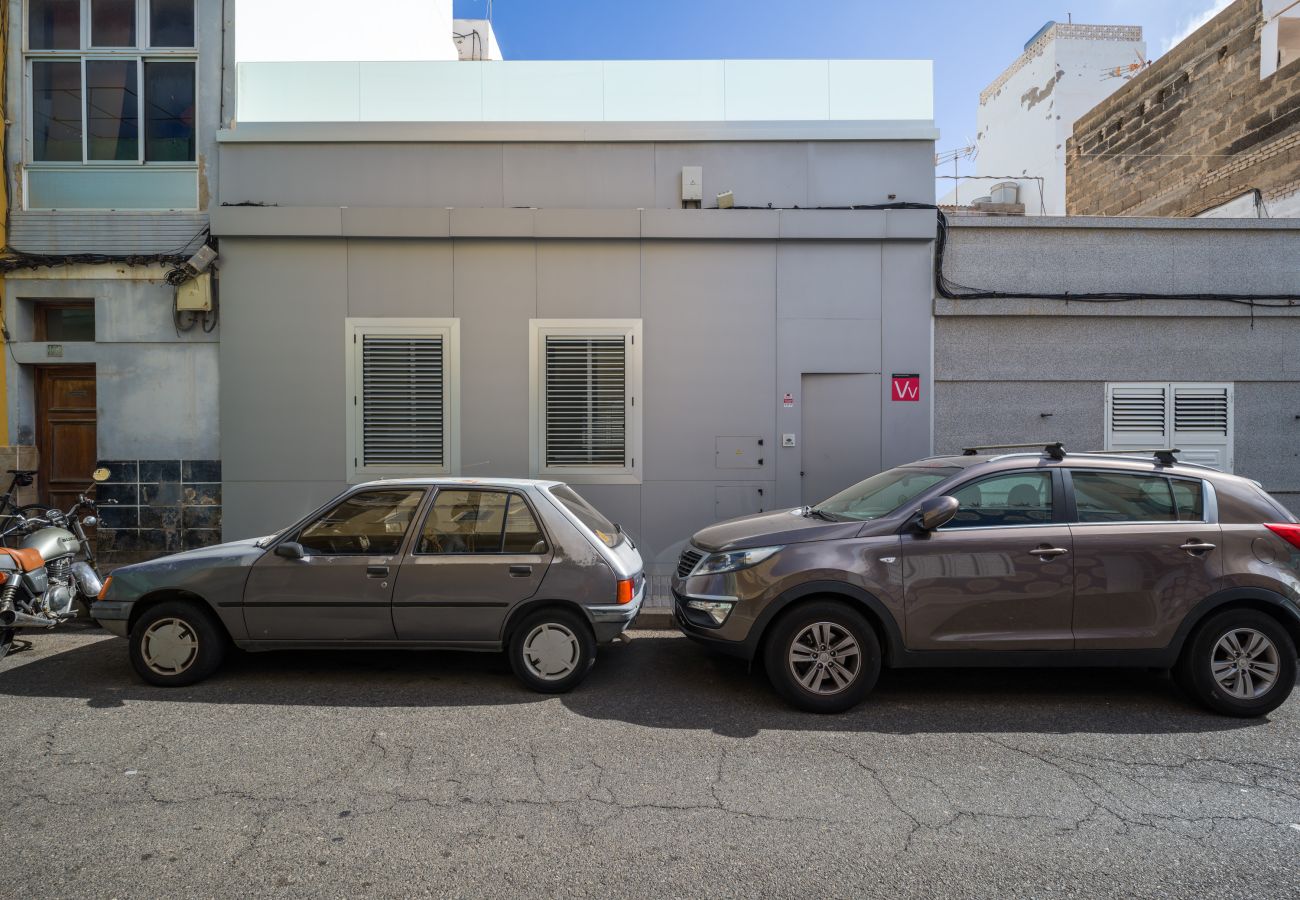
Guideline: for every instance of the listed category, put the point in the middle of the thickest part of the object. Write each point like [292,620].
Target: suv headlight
[717,563]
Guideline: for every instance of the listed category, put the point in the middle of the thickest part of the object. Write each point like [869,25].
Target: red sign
[907,389]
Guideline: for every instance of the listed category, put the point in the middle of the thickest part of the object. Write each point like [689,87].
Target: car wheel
[823,657]
[552,650]
[176,644]
[1239,663]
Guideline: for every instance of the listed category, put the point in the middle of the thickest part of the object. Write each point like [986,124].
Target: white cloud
[1191,23]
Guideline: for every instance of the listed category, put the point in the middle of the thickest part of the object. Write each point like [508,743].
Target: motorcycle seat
[28,560]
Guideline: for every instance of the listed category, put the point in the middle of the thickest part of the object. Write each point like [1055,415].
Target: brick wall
[1196,129]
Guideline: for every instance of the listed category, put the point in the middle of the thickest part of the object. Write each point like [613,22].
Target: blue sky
[970,43]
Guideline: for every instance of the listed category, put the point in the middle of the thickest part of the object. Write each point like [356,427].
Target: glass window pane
[1021,498]
[1103,497]
[881,494]
[1187,497]
[591,518]
[54,24]
[169,112]
[522,532]
[112,110]
[68,323]
[465,522]
[171,23]
[56,111]
[112,23]
[369,524]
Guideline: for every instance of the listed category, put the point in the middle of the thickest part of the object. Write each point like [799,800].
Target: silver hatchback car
[528,567]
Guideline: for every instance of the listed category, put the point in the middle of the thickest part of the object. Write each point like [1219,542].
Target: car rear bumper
[610,621]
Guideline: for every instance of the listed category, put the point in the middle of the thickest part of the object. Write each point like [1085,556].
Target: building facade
[1028,112]
[112,114]
[469,293]
[1211,129]
[1217,379]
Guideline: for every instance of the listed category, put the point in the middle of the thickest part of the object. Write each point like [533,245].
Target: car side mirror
[937,512]
[291,550]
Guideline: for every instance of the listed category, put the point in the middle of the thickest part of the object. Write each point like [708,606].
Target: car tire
[1211,667]
[177,643]
[552,650]
[794,653]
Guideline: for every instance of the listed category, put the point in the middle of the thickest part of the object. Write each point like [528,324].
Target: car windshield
[608,533]
[881,494]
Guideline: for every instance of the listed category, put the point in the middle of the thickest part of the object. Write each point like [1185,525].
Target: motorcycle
[51,571]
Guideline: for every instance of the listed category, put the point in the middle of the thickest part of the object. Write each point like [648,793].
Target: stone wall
[1196,129]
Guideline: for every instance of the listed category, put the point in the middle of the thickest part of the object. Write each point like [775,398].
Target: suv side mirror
[937,512]
[291,550]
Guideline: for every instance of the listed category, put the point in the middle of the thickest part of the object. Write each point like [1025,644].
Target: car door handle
[376,571]
[1195,547]
[1048,552]
[520,571]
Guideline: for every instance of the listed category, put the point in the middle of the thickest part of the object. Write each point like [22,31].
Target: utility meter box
[195,295]
[692,182]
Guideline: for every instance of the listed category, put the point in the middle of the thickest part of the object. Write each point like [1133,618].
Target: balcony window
[171,23]
[112,23]
[54,24]
[56,111]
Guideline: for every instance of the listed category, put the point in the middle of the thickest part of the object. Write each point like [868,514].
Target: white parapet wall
[312,30]
[587,91]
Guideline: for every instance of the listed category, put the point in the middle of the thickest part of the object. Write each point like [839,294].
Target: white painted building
[1027,113]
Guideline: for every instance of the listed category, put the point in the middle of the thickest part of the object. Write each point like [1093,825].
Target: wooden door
[65,429]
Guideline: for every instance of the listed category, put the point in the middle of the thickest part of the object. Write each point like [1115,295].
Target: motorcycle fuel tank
[52,543]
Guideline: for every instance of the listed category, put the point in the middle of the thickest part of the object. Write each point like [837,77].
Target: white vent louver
[1138,410]
[402,400]
[1201,411]
[586,401]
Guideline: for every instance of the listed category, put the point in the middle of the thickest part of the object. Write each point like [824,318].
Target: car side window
[367,524]
[1017,498]
[480,521]
[1189,500]
[1122,497]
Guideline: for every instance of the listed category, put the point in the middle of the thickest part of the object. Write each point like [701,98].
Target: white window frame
[449,331]
[539,330]
[143,52]
[1171,438]
[1270,34]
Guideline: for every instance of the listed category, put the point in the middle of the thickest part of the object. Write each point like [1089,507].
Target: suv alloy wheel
[1239,663]
[823,657]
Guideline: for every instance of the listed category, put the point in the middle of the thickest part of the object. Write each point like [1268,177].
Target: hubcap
[551,651]
[170,646]
[1245,663]
[825,658]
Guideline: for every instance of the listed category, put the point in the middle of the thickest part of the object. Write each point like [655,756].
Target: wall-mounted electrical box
[195,295]
[692,182]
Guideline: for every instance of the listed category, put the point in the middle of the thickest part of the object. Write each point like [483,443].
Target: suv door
[1000,575]
[479,553]
[1145,554]
[342,590]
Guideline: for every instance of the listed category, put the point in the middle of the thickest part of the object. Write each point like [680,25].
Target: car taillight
[626,590]
[103,591]
[1289,533]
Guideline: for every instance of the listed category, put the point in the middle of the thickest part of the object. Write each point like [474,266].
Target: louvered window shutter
[402,401]
[1202,423]
[585,394]
[1137,416]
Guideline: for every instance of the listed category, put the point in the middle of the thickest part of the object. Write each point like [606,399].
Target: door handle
[520,571]
[1046,553]
[376,571]
[1196,547]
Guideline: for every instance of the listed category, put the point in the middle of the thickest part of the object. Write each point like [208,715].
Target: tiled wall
[150,507]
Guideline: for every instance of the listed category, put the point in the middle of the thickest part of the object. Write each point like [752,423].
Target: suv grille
[690,559]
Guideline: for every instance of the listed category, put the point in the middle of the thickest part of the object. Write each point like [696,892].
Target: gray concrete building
[533,299]
[1219,380]
[112,116]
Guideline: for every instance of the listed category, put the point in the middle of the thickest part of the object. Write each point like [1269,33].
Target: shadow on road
[656,681]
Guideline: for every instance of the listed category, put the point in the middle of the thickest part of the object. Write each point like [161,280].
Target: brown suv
[1016,559]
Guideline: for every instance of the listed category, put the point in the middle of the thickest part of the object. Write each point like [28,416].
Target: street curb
[655,620]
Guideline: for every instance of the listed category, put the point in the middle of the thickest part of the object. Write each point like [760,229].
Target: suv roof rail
[1056,449]
[1165,456]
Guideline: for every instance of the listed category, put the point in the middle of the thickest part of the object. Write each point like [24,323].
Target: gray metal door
[841,432]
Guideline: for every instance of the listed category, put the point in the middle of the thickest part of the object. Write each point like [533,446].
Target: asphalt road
[669,772]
